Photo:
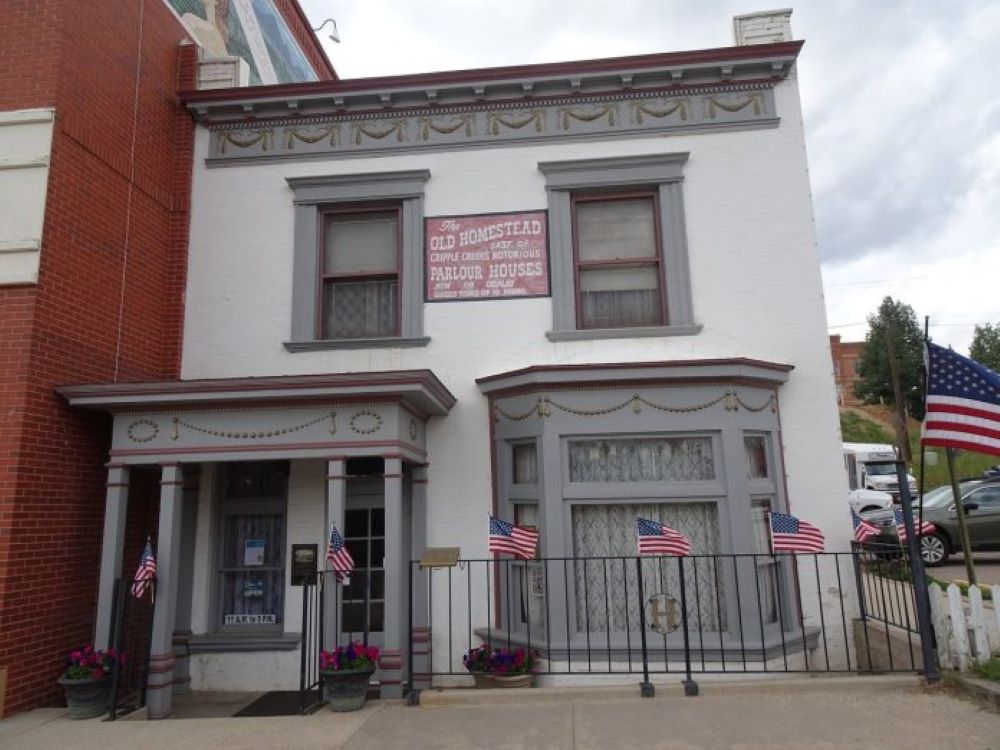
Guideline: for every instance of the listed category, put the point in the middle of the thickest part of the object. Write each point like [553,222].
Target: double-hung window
[361,273]
[357,261]
[618,267]
[619,259]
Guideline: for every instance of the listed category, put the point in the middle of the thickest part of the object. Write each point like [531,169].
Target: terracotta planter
[346,689]
[483,679]
[88,697]
[513,680]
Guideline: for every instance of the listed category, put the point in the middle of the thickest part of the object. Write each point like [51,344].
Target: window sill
[587,334]
[388,342]
[206,643]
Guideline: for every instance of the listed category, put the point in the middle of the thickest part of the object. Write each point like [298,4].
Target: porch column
[159,686]
[111,552]
[336,498]
[420,670]
[395,582]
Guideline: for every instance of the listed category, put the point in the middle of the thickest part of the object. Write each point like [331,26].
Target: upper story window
[619,248]
[357,277]
[618,268]
[361,274]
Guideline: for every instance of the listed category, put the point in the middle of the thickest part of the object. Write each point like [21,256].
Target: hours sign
[491,256]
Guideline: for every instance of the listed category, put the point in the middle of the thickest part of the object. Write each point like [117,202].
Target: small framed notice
[486,256]
[253,552]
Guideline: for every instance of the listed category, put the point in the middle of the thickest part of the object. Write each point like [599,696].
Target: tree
[893,333]
[985,347]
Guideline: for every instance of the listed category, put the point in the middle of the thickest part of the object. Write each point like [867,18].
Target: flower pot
[483,679]
[513,680]
[87,697]
[346,689]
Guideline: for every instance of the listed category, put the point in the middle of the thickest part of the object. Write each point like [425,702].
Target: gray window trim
[664,173]
[311,196]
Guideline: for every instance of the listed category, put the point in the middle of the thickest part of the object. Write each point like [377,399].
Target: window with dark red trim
[360,270]
[617,259]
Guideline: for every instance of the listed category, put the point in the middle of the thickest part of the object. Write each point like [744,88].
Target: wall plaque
[304,558]
[487,256]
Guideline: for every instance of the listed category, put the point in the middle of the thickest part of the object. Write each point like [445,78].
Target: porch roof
[420,390]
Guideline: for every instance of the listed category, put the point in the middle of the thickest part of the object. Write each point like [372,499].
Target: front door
[362,608]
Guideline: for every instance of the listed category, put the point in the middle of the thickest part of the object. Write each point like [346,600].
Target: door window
[364,535]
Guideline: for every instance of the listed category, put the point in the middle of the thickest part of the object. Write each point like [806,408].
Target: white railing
[967,629]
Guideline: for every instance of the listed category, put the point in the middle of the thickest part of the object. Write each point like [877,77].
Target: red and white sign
[491,256]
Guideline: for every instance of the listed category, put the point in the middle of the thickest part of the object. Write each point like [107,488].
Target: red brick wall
[107,306]
[845,361]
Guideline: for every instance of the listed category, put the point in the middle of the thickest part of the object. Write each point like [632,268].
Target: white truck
[865,478]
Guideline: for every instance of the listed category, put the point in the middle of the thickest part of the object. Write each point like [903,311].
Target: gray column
[111,552]
[336,498]
[159,687]
[185,579]
[395,581]
[418,542]
[556,538]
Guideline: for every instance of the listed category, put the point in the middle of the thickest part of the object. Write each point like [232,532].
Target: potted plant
[501,667]
[345,672]
[87,681]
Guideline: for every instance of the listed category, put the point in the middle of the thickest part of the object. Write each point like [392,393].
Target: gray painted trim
[390,342]
[587,334]
[312,194]
[212,643]
[614,171]
[651,372]
[665,172]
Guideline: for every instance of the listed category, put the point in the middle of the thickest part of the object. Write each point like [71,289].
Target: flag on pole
[789,534]
[338,556]
[922,528]
[146,573]
[519,541]
[863,530]
[659,539]
[963,403]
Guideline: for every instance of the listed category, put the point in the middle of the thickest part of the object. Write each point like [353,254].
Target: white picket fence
[967,629]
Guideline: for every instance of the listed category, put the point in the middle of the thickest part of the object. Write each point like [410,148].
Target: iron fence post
[646,689]
[690,686]
[931,671]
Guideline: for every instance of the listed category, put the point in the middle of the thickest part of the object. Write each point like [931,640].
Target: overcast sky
[900,103]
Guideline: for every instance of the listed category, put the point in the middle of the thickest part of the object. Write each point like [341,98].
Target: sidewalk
[819,713]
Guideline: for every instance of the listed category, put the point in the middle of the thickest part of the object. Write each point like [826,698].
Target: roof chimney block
[763,27]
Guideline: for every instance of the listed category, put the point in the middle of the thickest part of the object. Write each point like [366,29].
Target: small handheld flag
[659,539]
[146,573]
[863,530]
[923,529]
[789,534]
[514,540]
[338,556]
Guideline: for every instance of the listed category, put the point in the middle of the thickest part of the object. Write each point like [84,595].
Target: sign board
[250,620]
[440,557]
[253,552]
[304,558]
[488,256]
[663,613]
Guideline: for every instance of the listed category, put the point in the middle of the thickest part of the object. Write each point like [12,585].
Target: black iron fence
[735,613]
[130,634]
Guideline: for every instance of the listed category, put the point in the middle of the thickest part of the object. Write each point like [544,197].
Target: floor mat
[275,703]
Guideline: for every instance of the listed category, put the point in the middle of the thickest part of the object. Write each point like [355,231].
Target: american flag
[146,573]
[922,528]
[963,403]
[863,530]
[519,541]
[338,556]
[789,534]
[658,539]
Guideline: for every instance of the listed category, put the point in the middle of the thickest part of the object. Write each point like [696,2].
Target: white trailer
[862,475]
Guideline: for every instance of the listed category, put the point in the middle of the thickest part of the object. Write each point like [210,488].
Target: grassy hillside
[872,424]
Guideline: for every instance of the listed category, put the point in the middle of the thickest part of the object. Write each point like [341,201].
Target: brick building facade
[105,303]
[845,356]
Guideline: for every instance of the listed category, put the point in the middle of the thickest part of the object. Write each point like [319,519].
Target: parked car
[865,501]
[981,498]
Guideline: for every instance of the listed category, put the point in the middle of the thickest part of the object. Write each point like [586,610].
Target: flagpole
[923,448]
[963,529]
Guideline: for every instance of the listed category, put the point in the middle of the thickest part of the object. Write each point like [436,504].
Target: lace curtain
[360,309]
[607,591]
[642,460]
